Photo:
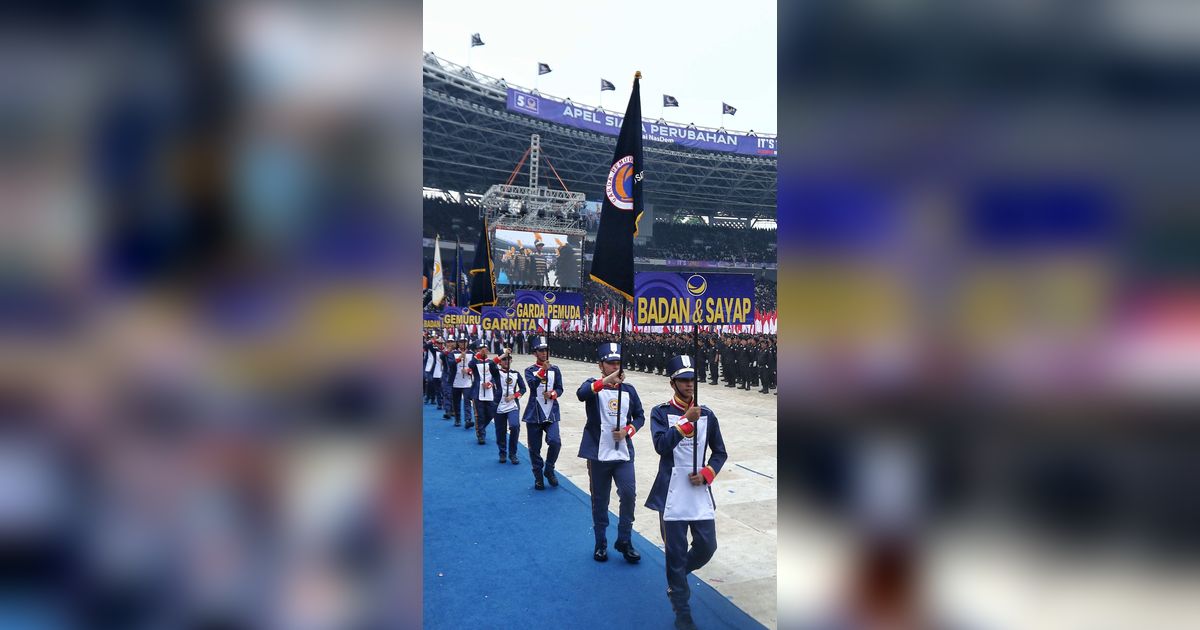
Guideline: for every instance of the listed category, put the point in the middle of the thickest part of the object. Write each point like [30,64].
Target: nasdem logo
[697,285]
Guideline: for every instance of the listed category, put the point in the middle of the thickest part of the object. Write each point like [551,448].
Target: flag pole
[696,385]
[621,368]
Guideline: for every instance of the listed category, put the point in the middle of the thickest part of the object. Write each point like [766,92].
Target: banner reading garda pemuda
[664,298]
[504,318]
[548,304]
[432,320]
[460,316]
[601,121]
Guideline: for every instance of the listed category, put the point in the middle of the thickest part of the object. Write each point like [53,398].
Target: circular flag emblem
[549,297]
[619,188]
[612,405]
[512,312]
[697,285]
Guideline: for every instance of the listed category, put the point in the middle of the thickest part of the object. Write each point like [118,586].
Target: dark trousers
[681,560]
[460,403]
[601,476]
[428,383]
[764,377]
[533,437]
[447,393]
[716,368]
[435,391]
[484,411]
[510,421]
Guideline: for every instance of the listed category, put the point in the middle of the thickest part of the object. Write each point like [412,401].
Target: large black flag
[612,260]
[483,275]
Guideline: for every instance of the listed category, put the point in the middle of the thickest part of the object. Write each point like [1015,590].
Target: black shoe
[503,458]
[445,416]
[469,424]
[763,391]
[627,550]
[729,385]
[537,483]
[552,478]
[458,423]
[601,553]
[683,621]
[482,441]
[513,459]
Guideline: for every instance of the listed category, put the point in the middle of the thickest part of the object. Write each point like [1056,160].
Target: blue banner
[504,318]
[601,121]
[666,298]
[548,304]
[431,320]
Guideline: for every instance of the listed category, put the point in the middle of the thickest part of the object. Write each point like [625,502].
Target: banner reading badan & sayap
[663,298]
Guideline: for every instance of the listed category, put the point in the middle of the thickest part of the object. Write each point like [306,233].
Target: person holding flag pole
[683,430]
[607,436]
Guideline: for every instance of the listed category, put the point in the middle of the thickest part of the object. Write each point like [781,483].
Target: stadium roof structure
[472,141]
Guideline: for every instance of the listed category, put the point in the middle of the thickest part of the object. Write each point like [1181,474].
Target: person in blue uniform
[459,360]
[508,407]
[483,391]
[447,377]
[433,373]
[682,432]
[542,414]
[607,446]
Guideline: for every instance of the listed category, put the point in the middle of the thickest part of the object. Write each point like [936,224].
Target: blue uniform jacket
[589,447]
[489,365]
[667,437]
[534,376]
[517,387]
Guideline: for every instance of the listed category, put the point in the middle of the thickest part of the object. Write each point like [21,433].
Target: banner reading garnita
[663,298]
[504,319]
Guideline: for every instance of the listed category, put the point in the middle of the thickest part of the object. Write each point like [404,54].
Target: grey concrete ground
[744,568]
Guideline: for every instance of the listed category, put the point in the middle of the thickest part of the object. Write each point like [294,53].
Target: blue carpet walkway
[499,554]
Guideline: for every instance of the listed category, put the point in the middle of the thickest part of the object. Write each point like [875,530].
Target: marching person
[683,498]
[608,447]
[542,414]
[433,373]
[508,408]
[482,390]
[448,369]
[461,402]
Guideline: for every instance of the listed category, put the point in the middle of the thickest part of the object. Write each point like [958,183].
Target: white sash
[437,367]
[428,360]
[508,385]
[546,405]
[485,376]
[686,502]
[607,399]
[461,380]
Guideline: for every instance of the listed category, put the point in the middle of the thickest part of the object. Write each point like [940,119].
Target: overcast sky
[702,52]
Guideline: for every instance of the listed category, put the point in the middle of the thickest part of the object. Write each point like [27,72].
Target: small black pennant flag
[726,108]
[670,101]
[476,40]
[607,86]
[543,68]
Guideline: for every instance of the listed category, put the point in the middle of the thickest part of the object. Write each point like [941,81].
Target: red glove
[630,430]
[686,428]
[708,474]
[597,386]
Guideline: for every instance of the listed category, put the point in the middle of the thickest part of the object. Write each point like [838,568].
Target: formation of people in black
[742,361]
